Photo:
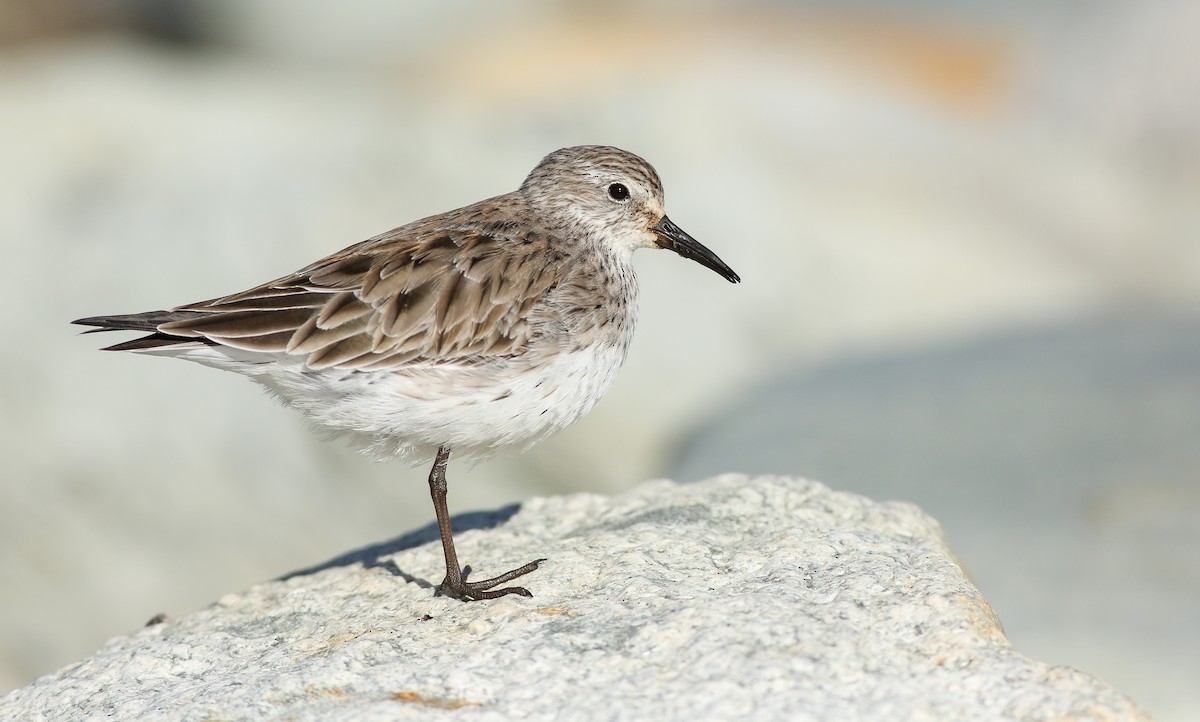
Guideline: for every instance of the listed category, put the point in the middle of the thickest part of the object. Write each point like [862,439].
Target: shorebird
[486,327]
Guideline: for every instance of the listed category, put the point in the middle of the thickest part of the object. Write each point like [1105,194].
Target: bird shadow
[378,555]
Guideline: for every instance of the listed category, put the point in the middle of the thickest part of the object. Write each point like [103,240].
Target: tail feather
[148,321]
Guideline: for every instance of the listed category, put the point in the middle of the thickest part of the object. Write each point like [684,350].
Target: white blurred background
[969,234]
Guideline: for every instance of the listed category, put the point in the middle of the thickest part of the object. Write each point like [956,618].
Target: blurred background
[969,234]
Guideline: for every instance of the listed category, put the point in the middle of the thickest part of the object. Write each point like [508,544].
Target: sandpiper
[485,327]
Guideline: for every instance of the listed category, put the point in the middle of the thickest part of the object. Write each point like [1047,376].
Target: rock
[735,598]
[1080,434]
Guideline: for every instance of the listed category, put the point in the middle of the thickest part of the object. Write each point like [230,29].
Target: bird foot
[456,584]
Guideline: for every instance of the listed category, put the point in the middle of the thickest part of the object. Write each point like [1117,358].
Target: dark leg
[456,577]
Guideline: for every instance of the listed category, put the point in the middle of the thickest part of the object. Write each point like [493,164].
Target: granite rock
[735,598]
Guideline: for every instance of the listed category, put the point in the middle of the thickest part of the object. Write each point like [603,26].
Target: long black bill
[672,237]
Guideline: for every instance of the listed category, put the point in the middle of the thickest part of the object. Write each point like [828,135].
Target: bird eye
[618,192]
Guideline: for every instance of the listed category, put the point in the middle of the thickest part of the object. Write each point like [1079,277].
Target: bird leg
[456,582]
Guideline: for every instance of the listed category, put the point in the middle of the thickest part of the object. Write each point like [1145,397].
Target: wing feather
[266,343]
[310,337]
[339,352]
[293,298]
[457,288]
[343,307]
[239,324]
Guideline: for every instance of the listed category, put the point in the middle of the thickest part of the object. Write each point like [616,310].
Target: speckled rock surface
[736,598]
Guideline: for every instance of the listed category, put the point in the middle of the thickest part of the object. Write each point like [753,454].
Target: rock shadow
[378,555]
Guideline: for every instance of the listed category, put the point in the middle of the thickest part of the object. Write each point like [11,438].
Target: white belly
[474,411]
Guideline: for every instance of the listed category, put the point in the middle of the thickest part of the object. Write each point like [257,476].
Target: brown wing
[458,295]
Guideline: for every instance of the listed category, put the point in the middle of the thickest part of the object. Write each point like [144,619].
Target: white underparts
[409,413]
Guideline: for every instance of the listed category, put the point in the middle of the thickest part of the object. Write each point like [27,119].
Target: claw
[457,584]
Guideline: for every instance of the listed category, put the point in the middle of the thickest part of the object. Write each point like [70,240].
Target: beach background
[968,232]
